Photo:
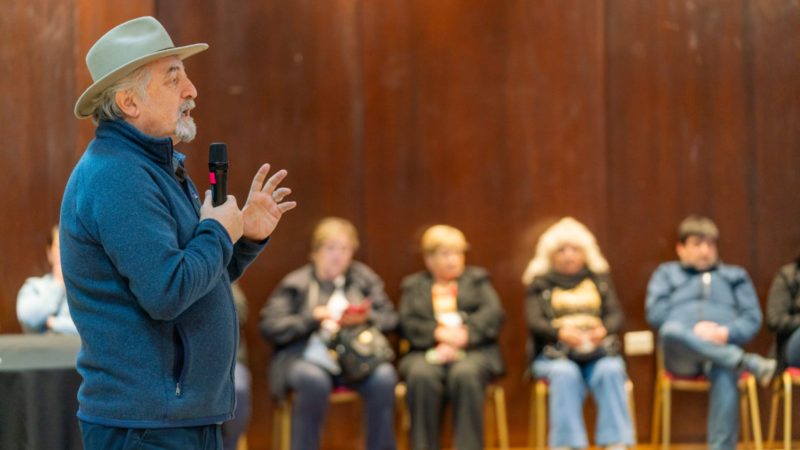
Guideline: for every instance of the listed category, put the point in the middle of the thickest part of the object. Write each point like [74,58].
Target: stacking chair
[537,416]
[782,390]
[496,423]
[666,382]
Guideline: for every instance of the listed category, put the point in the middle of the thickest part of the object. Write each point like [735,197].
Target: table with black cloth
[38,392]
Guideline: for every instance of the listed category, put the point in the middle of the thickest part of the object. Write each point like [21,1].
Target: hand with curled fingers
[227,214]
[265,206]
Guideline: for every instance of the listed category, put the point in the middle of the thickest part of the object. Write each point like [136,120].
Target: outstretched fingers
[286,206]
[258,180]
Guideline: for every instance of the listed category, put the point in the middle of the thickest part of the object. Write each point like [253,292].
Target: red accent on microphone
[212,178]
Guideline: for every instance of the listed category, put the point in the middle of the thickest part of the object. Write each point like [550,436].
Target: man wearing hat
[147,267]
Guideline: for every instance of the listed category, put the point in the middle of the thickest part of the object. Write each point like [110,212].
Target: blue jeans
[686,354]
[234,428]
[99,437]
[568,383]
[312,385]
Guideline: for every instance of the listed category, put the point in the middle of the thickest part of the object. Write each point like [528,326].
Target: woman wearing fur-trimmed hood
[573,316]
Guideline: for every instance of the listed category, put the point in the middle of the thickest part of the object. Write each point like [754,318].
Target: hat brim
[83,105]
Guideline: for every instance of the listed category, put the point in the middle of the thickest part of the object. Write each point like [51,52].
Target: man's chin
[186,130]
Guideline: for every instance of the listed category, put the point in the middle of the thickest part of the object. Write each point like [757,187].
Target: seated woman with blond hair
[302,317]
[451,316]
[573,314]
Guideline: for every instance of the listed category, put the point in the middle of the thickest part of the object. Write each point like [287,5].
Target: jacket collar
[160,150]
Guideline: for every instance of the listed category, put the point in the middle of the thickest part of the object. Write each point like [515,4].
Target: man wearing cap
[148,267]
[704,312]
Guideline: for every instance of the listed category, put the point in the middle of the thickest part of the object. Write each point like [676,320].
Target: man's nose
[189,91]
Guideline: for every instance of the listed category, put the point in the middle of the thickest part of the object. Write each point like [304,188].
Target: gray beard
[186,129]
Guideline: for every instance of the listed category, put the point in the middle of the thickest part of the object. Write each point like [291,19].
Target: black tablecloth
[38,392]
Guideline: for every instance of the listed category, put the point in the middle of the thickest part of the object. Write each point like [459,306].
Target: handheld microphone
[218,172]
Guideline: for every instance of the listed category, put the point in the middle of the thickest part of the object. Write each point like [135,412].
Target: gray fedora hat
[124,49]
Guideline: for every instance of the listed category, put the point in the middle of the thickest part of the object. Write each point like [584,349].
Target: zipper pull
[178,389]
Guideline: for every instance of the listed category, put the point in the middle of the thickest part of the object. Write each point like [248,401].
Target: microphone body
[218,172]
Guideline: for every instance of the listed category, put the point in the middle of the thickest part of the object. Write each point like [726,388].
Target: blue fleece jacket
[677,293]
[148,286]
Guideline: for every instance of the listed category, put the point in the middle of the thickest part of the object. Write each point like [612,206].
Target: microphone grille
[218,152]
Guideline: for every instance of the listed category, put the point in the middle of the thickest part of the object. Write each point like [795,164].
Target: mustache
[188,105]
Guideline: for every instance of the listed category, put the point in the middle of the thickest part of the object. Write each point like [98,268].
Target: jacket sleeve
[748,318]
[382,314]
[417,323]
[780,318]
[657,303]
[613,317]
[64,325]
[539,325]
[36,300]
[281,323]
[484,325]
[245,252]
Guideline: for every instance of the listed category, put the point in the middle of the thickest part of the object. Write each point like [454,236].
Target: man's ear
[128,103]
[679,246]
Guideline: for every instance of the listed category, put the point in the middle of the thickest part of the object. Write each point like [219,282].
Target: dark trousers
[462,382]
[99,437]
[312,386]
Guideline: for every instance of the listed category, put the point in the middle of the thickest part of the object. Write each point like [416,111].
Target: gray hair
[104,106]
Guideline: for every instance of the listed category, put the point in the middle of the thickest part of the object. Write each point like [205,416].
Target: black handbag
[360,350]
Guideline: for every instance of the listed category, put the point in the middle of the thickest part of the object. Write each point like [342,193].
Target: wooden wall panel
[775,115]
[678,144]
[495,117]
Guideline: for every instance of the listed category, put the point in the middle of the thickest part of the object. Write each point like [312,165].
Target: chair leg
[541,415]
[666,414]
[282,425]
[787,411]
[500,414]
[276,428]
[755,415]
[403,419]
[773,412]
[532,417]
[744,422]
[286,427]
[489,415]
[655,427]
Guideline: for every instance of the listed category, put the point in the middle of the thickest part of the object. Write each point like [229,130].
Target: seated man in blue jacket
[704,312]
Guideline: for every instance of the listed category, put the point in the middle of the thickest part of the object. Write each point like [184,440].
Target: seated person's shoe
[762,368]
